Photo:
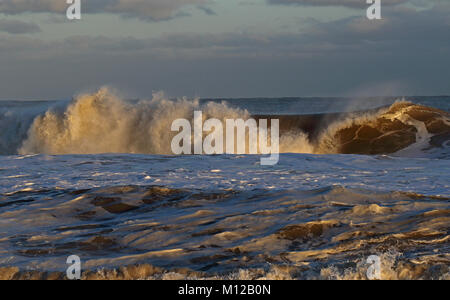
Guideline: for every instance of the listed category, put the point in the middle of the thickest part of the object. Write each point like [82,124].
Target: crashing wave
[388,131]
[104,123]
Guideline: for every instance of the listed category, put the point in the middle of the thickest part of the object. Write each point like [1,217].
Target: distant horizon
[243,98]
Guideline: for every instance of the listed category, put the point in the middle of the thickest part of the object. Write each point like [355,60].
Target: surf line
[213,143]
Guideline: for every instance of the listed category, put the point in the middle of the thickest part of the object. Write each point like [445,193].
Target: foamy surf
[267,235]
[168,217]
[142,213]
[102,122]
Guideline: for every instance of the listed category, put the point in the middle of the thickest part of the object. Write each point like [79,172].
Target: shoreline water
[160,216]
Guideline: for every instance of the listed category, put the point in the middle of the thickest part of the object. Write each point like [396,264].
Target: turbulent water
[355,178]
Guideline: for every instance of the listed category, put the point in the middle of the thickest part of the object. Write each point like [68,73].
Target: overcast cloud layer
[406,53]
[147,9]
[347,3]
[18,27]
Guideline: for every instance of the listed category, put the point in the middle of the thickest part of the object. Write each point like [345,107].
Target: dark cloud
[405,53]
[154,10]
[18,27]
[207,10]
[347,3]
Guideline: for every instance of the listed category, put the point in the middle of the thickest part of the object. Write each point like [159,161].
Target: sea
[95,177]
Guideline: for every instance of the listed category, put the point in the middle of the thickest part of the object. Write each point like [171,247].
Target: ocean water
[95,177]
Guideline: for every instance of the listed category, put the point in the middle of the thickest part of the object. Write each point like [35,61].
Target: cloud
[20,6]
[346,3]
[207,10]
[151,10]
[408,47]
[399,25]
[18,27]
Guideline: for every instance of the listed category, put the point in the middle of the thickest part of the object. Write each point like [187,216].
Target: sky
[224,48]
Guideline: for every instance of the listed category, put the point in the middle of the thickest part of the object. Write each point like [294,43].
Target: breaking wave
[104,123]
[402,128]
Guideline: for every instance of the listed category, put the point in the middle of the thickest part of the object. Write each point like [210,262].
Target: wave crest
[104,123]
[401,126]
